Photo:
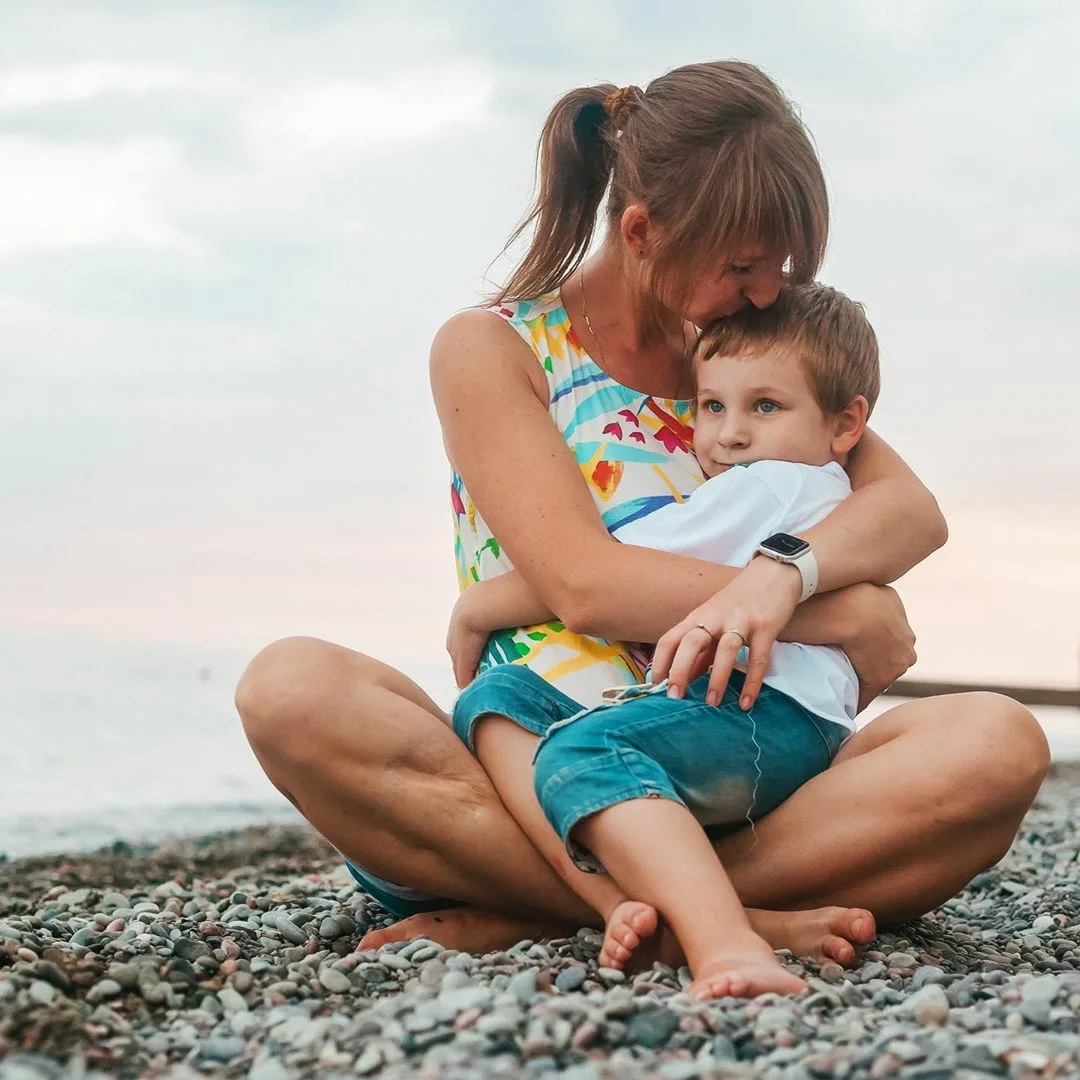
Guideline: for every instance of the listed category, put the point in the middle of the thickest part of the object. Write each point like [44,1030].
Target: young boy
[783,395]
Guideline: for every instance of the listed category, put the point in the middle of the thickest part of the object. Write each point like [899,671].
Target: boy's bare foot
[628,924]
[744,970]
[468,929]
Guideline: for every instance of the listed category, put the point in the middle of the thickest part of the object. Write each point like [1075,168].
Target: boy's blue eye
[767,406]
[714,406]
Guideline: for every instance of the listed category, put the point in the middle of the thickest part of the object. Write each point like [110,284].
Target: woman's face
[751,276]
[752,273]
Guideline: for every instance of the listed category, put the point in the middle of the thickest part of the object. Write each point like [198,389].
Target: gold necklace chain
[588,322]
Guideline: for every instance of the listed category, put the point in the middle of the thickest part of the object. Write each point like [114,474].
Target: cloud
[28,88]
[55,196]
[342,116]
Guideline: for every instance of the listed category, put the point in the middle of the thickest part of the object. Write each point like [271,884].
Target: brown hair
[827,331]
[715,152]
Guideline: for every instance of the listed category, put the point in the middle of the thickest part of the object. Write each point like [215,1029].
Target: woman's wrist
[777,575]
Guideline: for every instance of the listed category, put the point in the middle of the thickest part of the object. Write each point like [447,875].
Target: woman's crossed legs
[914,805]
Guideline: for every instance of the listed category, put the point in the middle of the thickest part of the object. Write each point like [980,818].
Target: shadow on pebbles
[234,955]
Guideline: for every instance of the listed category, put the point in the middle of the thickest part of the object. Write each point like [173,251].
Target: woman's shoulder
[476,343]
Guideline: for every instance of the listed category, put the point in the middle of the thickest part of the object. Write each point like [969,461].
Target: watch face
[785,544]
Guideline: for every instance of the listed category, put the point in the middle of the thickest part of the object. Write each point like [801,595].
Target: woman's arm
[492,402]
[491,398]
[889,524]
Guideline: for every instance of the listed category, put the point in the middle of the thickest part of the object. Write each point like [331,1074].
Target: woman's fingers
[664,653]
[727,649]
[690,659]
[757,666]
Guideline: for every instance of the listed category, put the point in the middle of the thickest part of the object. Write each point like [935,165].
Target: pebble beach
[235,955]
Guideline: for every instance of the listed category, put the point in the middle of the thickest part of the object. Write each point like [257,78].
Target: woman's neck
[607,312]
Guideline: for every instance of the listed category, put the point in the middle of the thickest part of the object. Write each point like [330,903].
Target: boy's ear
[850,424]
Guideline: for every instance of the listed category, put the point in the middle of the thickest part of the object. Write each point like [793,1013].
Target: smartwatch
[793,550]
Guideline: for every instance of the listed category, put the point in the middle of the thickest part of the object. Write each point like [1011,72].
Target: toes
[375,939]
[714,986]
[863,927]
[855,924]
[644,921]
[838,949]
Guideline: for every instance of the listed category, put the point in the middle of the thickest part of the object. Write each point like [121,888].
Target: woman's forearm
[890,523]
[665,587]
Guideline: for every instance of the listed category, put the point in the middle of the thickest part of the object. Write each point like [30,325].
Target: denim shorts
[513,691]
[726,766]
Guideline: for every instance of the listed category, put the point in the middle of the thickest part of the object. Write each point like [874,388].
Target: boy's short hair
[826,330]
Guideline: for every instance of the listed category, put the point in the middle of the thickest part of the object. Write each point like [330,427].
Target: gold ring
[702,626]
[736,633]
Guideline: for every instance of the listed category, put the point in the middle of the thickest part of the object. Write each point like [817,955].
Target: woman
[714,193]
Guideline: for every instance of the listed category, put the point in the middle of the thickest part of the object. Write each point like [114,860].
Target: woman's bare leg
[916,804]
[370,760]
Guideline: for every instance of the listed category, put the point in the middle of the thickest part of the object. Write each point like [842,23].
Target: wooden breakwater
[1026,695]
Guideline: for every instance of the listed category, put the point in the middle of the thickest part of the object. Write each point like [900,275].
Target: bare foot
[467,929]
[743,971]
[827,933]
[627,925]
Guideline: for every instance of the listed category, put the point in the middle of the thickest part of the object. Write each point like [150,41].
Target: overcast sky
[228,232]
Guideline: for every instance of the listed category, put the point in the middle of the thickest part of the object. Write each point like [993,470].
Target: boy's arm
[496,604]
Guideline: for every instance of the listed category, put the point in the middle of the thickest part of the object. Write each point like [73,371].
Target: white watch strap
[807,567]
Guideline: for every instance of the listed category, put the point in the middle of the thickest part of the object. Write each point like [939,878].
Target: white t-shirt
[724,520]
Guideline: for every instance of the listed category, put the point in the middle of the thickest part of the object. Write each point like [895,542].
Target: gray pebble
[523,985]
[231,1000]
[103,990]
[370,1060]
[42,992]
[570,979]
[336,982]
[222,1048]
[652,1028]
[330,928]
[290,931]
[927,975]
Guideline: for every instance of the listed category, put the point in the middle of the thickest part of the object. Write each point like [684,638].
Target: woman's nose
[763,289]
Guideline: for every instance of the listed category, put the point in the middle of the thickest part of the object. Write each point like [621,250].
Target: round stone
[334,981]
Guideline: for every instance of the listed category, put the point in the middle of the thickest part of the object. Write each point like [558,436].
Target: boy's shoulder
[786,480]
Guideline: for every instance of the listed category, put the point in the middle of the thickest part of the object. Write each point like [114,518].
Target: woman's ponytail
[574,163]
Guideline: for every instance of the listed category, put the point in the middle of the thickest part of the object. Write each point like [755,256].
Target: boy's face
[759,407]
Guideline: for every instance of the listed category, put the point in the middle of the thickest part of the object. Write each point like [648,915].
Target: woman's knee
[1004,756]
[275,688]
[1020,750]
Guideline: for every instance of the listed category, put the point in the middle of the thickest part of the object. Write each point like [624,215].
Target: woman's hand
[465,642]
[882,645]
[751,611]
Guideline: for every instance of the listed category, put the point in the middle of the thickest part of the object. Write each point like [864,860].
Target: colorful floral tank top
[635,453]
